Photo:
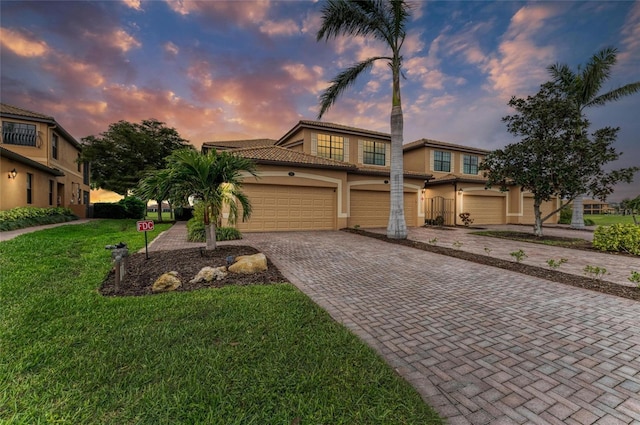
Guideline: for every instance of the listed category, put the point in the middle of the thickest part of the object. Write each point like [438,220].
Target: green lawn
[236,355]
[608,219]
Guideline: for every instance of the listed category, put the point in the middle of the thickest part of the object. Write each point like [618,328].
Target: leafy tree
[384,21]
[552,160]
[122,155]
[583,87]
[215,179]
[632,206]
[157,185]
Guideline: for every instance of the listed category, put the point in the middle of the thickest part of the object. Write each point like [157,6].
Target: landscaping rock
[209,274]
[166,283]
[248,264]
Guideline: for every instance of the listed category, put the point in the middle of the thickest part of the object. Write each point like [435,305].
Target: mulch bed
[632,293]
[142,273]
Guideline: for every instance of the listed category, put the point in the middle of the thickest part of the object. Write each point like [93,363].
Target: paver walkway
[482,345]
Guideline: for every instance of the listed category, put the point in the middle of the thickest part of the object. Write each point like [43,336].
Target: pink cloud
[22,44]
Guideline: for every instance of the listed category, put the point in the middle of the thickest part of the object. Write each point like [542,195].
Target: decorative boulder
[248,264]
[166,283]
[208,274]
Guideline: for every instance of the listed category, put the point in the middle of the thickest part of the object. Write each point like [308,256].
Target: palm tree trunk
[397,227]
[577,217]
[211,235]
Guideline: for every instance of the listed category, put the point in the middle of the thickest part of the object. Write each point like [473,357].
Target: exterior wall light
[459,191]
[13,173]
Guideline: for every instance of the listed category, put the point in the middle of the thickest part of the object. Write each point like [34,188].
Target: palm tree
[216,180]
[582,87]
[156,185]
[384,21]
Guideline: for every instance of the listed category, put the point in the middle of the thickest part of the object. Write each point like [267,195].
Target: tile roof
[30,162]
[14,110]
[335,127]
[466,178]
[437,144]
[235,144]
[280,155]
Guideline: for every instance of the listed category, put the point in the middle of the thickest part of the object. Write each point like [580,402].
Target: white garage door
[485,209]
[285,208]
[371,209]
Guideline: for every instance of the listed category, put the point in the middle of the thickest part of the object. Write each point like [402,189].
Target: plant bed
[552,275]
[142,273]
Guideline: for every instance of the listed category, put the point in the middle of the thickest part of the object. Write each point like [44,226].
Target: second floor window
[14,133]
[373,152]
[29,188]
[442,161]
[470,164]
[331,146]
[54,146]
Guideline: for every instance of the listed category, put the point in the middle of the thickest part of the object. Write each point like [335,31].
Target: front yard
[260,354]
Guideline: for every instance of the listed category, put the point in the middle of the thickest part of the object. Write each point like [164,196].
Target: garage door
[485,209]
[283,208]
[371,209]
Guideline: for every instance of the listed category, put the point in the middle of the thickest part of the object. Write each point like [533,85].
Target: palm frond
[595,73]
[342,81]
[342,17]
[616,94]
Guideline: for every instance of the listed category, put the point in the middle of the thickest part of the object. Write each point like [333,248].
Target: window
[78,162]
[374,153]
[331,146]
[54,146]
[14,133]
[85,172]
[29,187]
[470,164]
[50,192]
[442,161]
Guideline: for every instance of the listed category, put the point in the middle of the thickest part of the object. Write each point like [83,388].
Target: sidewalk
[10,234]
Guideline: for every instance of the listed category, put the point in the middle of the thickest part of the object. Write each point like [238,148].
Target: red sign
[145,226]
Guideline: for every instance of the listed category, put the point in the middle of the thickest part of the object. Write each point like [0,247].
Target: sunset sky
[220,70]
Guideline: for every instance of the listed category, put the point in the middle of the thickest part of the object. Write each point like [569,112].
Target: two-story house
[323,176]
[39,163]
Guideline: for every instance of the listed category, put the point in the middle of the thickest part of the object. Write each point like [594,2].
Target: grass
[609,219]
[236,355]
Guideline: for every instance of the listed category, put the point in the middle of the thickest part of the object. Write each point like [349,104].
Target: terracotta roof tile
[335,127]
[14,110]
[279,155]
[234,144]
[435,143]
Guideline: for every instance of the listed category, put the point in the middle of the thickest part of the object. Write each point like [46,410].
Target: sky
[226,70]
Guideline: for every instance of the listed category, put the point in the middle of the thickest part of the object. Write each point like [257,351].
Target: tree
[384,21]
[552,160]
[159,186]
[216,180]
[122,155]
[632,206]
[583,88]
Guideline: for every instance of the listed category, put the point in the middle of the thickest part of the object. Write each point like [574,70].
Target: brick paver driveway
[481,344]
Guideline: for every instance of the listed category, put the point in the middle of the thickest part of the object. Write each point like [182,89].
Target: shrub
[227,234]
[134,207]
[108,210]
[21,217]
[565,215]
[618,238]
[195,230]
[129,207]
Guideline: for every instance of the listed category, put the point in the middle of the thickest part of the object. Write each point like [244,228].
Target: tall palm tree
[384,21]
[583,88]
[216,180]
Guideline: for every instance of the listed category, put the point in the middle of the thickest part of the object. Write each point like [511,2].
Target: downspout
[455,203]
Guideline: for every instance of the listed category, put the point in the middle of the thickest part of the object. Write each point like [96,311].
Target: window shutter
[432,154]
[346,149]
[387,155]
[314,144]
[462,163]
[360,150]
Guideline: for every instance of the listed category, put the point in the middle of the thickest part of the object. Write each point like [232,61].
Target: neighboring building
[594,206]
[39,163]
[323,176]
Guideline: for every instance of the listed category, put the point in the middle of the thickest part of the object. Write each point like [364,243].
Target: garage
[286,208]
[485,209]
[371,209]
